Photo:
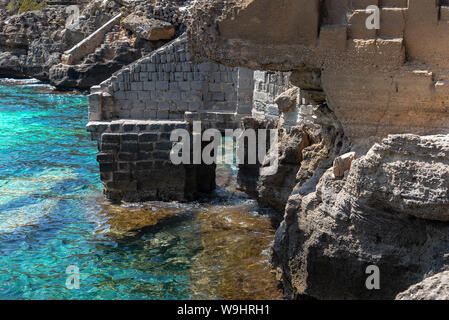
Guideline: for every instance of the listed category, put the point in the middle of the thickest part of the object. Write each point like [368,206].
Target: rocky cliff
[35,39]
[370,166]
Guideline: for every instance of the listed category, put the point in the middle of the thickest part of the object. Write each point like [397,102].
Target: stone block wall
[134,161]
[165,85]
[245,92]
[267,86]
[133,113]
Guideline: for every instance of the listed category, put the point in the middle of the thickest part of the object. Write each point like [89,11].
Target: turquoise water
[53,215]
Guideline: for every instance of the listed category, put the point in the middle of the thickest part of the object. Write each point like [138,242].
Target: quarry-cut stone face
[390,81]
[299,22]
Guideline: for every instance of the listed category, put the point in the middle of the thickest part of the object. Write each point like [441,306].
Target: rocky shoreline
[33,43]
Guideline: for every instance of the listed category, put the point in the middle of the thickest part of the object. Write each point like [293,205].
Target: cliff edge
[370,186]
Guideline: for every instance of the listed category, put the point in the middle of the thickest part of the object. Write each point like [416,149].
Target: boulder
[343,164]
[435,287]
[287,100]
[391,211]
[149,28]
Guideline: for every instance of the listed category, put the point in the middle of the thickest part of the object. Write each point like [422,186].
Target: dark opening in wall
[333,12]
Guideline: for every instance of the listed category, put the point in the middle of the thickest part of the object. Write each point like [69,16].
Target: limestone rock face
[384,213]
[34,43]
[252,29]
[30,42]
[383,94]
[10,66]
[274,190]
[35,40]
[149,29]
[378,82]
[406,173]
[432,288]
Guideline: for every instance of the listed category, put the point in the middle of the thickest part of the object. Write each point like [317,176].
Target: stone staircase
[89,44]
[166,84]
[104,50]
[94,59]
[393,15]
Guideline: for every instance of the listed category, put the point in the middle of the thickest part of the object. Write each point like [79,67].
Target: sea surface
[55,222]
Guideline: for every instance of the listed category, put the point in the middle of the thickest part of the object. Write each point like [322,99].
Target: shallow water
[53,215]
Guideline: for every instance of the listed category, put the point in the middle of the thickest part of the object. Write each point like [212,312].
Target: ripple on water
[52,215]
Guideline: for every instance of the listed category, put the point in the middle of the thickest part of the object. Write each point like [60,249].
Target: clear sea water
[53,215]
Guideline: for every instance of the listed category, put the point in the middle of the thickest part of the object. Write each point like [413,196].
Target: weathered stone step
[441,81]
[363,4]
[380,49]
[392,24]
[394,3]
[357,26]
[220,120]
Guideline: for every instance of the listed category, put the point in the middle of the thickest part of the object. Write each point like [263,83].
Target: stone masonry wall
[163,86]
[133,113]
[134,158]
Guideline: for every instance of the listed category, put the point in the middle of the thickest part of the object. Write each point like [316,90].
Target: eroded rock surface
[432,288]
[30,42]
[406,173]
[274,190]
[149,29]
[33,43]
[331,234]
